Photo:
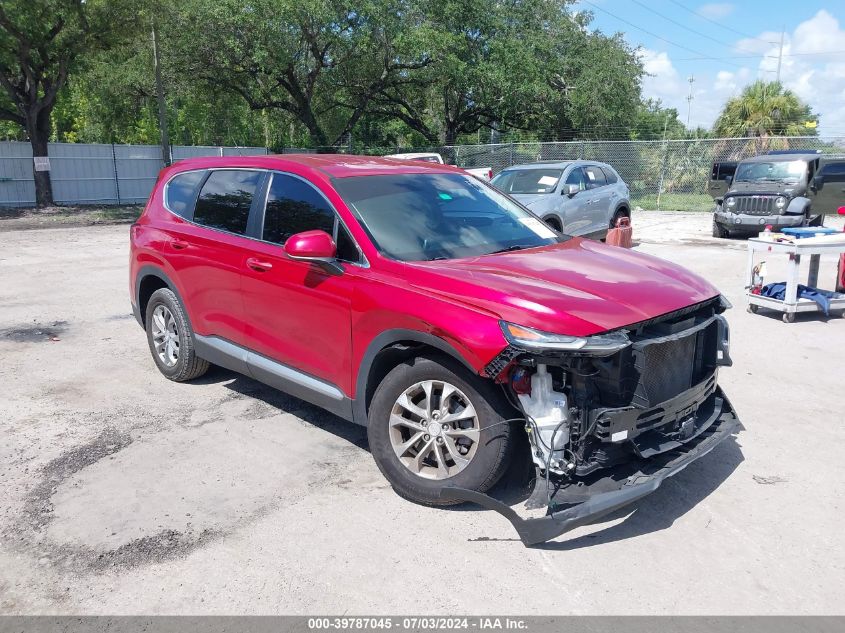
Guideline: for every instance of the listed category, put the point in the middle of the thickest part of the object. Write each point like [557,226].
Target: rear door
[598,199]
[830,195]
[721,175]
[208,252]
[575,210]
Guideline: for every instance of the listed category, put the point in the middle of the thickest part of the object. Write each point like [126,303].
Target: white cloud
[716,10]
[818,79]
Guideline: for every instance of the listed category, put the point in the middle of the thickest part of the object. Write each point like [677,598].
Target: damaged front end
[609,417]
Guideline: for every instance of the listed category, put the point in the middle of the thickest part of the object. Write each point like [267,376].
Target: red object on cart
[623,234]
[840,273]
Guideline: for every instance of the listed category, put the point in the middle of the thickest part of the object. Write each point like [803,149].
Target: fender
[383,340]
[798,206]
[150,270]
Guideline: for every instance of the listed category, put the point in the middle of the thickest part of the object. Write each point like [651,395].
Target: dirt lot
[124,493]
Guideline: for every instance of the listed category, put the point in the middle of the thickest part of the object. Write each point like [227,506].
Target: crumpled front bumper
[654,472]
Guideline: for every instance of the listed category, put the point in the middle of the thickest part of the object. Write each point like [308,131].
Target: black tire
[188,365]
[720,231]
[554,223]
[494,448]
[620,213]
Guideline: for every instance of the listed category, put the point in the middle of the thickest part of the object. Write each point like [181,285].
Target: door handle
[179,245]
[257,265]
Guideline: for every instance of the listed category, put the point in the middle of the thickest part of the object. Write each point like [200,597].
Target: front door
[830,195]
[721,175]
[299,313]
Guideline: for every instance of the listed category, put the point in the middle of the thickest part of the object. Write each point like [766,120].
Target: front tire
[720,231]
[171,339]
[432,424]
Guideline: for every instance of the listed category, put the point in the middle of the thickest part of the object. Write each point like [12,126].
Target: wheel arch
[149,279]
[388,350]
[556,222]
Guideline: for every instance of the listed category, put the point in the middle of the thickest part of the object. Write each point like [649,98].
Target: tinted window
[294,206]
[346,249]
[181,190]
[834,172]
[610,175]
[225,200]
[595,177]
[415,217]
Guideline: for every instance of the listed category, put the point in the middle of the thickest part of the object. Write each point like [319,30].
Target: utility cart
[814,248]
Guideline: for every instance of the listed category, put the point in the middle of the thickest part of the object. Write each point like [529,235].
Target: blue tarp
[821,297]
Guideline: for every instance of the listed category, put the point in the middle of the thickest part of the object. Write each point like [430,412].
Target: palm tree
[765,109]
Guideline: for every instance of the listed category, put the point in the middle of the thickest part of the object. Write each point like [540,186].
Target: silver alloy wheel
[434,429]
[165,335]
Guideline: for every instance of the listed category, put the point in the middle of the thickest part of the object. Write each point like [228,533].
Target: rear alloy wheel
[432,425]
[170,338]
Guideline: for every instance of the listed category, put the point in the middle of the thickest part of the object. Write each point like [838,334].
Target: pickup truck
[482,173]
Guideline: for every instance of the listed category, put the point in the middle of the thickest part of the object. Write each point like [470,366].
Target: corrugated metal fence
[94,174]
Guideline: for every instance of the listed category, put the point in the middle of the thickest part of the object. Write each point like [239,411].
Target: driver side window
[576,177]
[294,206]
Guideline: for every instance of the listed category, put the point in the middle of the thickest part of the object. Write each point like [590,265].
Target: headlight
[731,202]
[535,340]
[780,202]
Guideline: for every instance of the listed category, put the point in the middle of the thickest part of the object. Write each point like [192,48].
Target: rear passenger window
[294,206]
[610,175]
[181,191]
[595,177]
[225,200]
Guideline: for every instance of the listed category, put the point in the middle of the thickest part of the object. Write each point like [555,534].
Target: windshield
[527,180]
[423,217]
[776,171]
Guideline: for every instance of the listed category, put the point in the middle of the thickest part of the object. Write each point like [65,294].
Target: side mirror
[818,181]
[841,211]
[313,246]
[729,180]
[570,190]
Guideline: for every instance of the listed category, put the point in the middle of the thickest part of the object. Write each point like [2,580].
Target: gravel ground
[124,493]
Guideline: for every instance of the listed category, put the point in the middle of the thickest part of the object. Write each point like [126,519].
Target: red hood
[580,287]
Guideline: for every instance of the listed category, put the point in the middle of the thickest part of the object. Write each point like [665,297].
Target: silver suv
[577,197]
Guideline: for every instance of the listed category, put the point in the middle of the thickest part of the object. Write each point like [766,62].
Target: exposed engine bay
[630,406]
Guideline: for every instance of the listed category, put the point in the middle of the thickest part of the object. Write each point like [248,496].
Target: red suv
[445,317]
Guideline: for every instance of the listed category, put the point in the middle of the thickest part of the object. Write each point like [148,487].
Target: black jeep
[779,188]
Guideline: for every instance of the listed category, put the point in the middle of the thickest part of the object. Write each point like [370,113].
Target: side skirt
[275,374]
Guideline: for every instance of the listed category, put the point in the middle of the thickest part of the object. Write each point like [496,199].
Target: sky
[740,41]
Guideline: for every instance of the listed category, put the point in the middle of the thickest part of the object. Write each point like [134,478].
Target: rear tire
[418,469]
[720,231]
[171,339]
[815,221]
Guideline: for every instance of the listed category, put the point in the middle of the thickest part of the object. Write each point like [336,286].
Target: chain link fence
[669,175]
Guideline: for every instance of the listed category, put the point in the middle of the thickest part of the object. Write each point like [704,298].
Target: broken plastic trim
[637,486]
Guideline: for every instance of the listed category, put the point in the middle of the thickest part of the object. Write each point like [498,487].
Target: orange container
[622,235]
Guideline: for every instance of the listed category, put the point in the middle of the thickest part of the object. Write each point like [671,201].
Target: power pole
[780,53]
[691,80]
[162,106]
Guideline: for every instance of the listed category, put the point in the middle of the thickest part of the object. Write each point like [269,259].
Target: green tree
[765,109]
[655,122]
[40,46]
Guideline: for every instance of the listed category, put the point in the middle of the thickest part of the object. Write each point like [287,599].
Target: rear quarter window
[181,191]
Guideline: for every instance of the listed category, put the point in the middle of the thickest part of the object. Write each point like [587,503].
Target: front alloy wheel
[434,429]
